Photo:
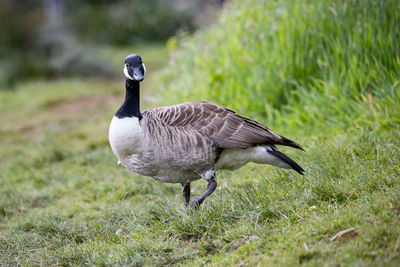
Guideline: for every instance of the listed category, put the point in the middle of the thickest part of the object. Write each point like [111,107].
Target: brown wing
[226,128]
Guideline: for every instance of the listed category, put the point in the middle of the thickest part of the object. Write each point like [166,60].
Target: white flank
[233,159]
[208,175]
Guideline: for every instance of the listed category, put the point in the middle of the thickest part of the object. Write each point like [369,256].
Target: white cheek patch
[126,73]
[144,68]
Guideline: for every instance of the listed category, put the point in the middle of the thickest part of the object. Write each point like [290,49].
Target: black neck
[130,107]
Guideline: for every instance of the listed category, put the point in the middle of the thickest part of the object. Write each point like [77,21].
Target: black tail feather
[288,160]
[288,142]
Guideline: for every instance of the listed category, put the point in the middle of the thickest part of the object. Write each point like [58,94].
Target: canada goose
[189,141]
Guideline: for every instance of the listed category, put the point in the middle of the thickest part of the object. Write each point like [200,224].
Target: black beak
[137,73]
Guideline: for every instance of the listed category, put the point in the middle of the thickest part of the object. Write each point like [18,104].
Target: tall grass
[296,62]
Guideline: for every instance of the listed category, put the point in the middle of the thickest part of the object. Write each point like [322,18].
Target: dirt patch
[83,103]
[31,130]
[92,105]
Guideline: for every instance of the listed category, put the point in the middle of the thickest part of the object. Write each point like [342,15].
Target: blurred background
[53,38]
[324,73]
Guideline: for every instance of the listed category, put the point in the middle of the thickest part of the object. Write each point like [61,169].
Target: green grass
[64,200]
[283,61]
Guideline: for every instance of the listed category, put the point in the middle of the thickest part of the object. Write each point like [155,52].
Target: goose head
[134,68]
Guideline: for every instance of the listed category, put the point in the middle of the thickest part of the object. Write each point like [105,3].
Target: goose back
[223,126]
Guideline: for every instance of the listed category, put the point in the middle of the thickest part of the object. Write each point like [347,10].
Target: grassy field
[64,200]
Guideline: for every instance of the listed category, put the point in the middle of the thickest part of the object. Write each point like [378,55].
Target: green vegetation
[276,59]
[127,22]
[53,38]
[324,73]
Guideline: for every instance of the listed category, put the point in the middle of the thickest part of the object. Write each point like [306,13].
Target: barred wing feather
[227,129]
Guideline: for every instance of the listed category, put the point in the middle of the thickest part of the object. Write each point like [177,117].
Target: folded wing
[227,129]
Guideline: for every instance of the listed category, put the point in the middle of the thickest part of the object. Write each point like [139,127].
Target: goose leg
[186,193]
[212,184]
[186,199]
